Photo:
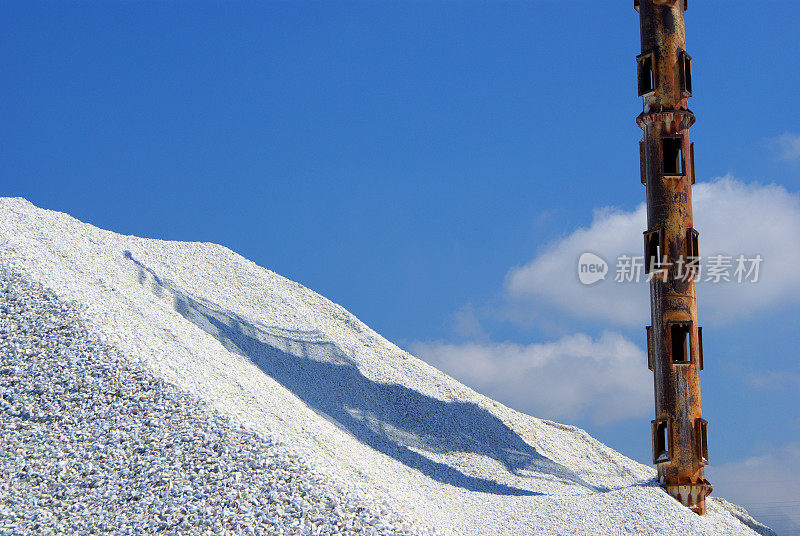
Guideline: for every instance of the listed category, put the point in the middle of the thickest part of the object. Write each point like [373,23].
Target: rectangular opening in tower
[681,339]
[660,441]
[693,242]
[700,347]
[646,74]
[642,162]
[685,66]
[702,440]
[652,251]
[672,153]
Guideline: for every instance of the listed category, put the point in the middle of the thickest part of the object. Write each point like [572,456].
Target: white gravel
[377,422]
[93,444]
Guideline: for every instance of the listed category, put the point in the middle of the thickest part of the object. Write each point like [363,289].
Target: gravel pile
[92,443]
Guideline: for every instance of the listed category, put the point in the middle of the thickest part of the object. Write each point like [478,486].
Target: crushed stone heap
[93,443]
[383,436]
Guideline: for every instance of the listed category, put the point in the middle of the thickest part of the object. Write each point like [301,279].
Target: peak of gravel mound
[301,374]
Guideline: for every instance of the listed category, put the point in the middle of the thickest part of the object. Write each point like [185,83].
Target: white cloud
[608,377]
[773,379]
[466,323]
[732,217]
[768,486]
[787,147]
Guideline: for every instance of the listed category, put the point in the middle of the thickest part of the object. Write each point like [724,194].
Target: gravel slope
[92,444]
[377,422]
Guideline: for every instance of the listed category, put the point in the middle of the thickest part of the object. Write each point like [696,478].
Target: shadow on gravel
[390,418]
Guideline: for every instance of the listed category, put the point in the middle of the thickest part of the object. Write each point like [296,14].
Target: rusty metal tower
[674,340]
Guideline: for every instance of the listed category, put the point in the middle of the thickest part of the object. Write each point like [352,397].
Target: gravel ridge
[93,443]
[292,366]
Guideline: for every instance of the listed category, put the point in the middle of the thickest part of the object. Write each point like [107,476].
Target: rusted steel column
[674,340]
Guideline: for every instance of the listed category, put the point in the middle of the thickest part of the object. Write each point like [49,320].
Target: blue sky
[407,159]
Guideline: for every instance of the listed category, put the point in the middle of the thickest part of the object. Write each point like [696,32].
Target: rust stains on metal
[680,444]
